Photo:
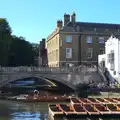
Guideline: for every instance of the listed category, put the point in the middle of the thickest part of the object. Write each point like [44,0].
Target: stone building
[76,43]
[43,61]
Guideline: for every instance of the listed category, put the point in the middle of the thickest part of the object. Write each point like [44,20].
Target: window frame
[68,53]
[89,40]
[111,59]
[101,38]
[103,50]
[68,39]
[91,52]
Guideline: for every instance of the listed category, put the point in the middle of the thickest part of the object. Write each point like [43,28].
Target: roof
[93,25]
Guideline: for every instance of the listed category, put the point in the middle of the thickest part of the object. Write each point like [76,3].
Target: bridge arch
[50,81]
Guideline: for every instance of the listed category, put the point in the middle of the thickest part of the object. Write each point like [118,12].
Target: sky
[36,19]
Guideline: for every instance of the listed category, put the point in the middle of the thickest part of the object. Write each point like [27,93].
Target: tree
[14,51]
[35,48]
[21,52]
[5,41]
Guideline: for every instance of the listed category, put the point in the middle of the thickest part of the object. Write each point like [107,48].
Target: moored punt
[46,99]
[78,108]
[75,101]
[111,100]
[55,112]
[102,109]
[90,109]
[102,100]
[93,101]
[117,99]
[85,101]
[115,110]
[67,109]
[118,105]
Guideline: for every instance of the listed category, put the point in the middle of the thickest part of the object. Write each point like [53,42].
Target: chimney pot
[73,17]
[66,18]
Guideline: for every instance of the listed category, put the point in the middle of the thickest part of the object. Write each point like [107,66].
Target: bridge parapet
[37,69]
[47,69]
[71,76]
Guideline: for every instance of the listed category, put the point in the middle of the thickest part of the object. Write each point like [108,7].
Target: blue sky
[36,19]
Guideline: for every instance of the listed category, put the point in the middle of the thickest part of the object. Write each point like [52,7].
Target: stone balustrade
[36,69]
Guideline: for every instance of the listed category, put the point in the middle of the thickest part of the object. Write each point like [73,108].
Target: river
[10,110]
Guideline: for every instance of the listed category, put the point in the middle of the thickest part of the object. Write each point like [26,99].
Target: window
[68,39]
[102,51]
[89,52]
[111,60]
[68,52]
[101,40]
[89,39]
[60,43]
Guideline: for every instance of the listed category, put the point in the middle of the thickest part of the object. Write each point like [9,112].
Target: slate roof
[93,25]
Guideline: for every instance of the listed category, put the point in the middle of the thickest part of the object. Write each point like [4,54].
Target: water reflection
[28,111]
[19,111]
[29,116]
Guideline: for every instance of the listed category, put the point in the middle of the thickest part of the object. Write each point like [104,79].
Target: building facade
[43,60]
[76,43]
[112,57]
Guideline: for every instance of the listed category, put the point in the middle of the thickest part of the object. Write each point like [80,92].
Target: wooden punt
[111,100]
[54,112]
[78,108]
[93,101]
[84,101]
[114,109]
[102,100]
[118,106]
[117,99]
[102,109]
[75,101]
[90,109]
[67,109]
[46,99]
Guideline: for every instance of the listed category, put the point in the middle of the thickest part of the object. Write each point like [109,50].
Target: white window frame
[89,39]
[69,55]
[68,39]
[111,59]
[101,38]
[91,53]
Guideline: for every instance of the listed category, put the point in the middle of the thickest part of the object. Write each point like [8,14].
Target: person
[36,93]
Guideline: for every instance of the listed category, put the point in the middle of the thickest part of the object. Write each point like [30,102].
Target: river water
[10,110]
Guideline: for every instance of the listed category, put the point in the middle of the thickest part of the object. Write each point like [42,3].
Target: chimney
[59,23]
[66,18]
[73,17]
[43,43]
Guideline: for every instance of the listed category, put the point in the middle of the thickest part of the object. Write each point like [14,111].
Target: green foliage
[14,51]
[5,41]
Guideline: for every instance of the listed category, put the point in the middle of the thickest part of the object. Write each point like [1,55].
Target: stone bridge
[71,77]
